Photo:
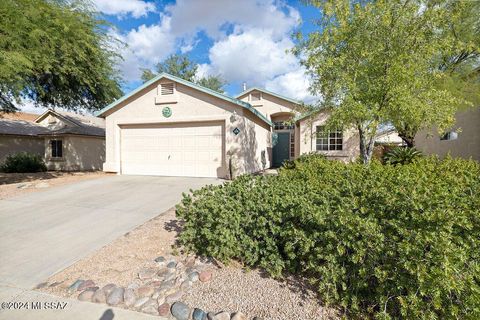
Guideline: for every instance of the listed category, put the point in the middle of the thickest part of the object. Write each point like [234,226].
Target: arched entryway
[283,138]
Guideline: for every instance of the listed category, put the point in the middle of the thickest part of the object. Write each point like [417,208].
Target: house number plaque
[167,112]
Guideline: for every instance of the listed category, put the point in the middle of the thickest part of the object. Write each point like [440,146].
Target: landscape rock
[134,285]
[115,297]
[150,307]
[205,276]
[166,285]
[146,274]
[129,297]
[140,302]
[86,284]
[171,264]
[108,288]
[75,285]
[164,310]
[186,285]
[171,298]
[56,283]
[145,291]
[239,316]
[190,262]
[210,316]
[199,314]
[160,260]
[86,295]
[194,276]
[99,296]
[180,311]
[222,316]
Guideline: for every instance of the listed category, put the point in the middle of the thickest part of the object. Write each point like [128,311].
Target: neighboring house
[388,137]
[463,140]
[67,141]
[172,127]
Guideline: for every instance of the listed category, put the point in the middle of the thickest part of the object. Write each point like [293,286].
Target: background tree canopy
[57,54]
[377,62]
[181,66]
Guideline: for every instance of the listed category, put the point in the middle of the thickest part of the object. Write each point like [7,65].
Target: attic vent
[256,96]
[166,88]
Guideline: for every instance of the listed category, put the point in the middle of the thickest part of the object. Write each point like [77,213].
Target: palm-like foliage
[401,155]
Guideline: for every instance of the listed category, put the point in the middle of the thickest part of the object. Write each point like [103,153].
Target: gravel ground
[14,184]
[232,288]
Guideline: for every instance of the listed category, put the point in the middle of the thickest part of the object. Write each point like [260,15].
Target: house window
[256,96]
[56,146]
[280,125]
[449,136]
[166,88]
[329,140]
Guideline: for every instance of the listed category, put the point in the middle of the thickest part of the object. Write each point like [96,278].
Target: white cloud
[292,84]
[146,46]
[122,8]
[212,16]
[252,56]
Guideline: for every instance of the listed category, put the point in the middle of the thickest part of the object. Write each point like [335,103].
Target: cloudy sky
[243,41]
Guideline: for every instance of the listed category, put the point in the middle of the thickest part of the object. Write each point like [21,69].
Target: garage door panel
[183,150]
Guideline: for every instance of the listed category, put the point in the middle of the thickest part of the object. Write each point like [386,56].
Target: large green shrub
[401,155]
[23,162]
[380,241]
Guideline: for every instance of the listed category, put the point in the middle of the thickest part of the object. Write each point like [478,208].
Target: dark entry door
[281,148]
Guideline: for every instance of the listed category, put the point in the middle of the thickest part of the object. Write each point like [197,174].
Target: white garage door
[189,150]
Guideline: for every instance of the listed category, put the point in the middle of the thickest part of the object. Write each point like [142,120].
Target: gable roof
[21,128]
[188,84]
[80,124]
[270,93]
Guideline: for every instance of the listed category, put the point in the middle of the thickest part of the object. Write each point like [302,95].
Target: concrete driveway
[44,232]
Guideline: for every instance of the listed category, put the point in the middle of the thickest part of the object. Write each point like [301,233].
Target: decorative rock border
[158,290]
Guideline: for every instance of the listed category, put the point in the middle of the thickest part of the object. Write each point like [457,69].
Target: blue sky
[242,41]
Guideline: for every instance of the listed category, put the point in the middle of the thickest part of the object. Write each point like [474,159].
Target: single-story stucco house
[67,141]
[463,140]
[173,127]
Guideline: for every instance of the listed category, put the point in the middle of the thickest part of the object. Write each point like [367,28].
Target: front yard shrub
[23,162]
[401,155]
[379,241]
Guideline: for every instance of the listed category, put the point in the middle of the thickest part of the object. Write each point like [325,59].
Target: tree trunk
[409,139]
[367,143]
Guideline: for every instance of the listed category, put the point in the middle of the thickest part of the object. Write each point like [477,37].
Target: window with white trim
[167,88]
[329,140]
[57,148]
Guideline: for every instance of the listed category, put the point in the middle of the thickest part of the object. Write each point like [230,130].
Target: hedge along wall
[378,241]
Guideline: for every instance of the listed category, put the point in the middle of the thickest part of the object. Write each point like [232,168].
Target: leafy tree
[55,53]
[459,64]
[181,66]
[213,82]
[373,63]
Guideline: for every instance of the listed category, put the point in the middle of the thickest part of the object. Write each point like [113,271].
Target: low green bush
[401,155]
[379,241]
[23,162]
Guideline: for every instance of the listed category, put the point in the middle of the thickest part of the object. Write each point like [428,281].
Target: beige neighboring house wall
[80,153]
[306,139]
[467,144]
[189,108]
[11,144]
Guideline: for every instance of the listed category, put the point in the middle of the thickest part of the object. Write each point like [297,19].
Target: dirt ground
[14,184]
[232,288]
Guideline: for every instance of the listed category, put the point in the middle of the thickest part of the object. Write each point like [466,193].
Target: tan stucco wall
[269,105]
[53,122]
[10,144]
[466,145]
[80,153]
[191,106]
[306,139]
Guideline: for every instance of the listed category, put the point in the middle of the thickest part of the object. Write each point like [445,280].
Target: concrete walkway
[44,232]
